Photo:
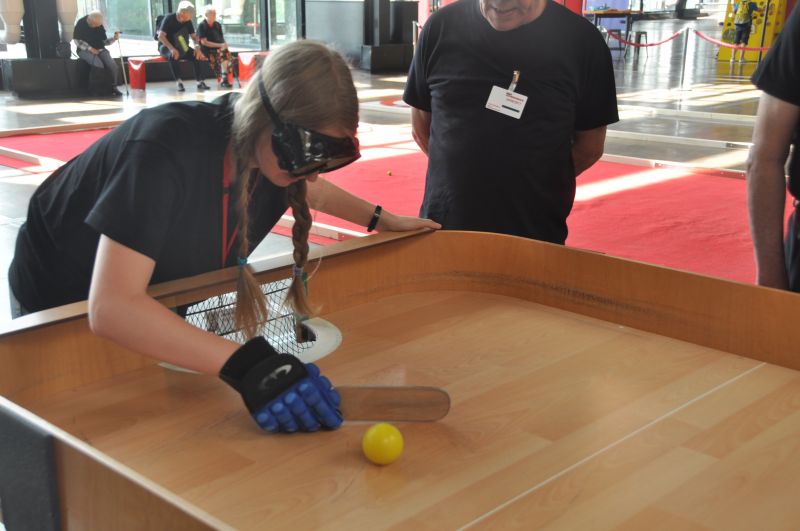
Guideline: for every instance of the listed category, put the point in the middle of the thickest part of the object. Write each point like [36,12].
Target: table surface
[557,420]
[588,392]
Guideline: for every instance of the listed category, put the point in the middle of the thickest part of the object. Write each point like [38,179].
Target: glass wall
[240,21]
[283,21]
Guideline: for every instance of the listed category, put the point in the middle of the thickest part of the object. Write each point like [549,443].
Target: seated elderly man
[91,40]
[213,46]
[173,38]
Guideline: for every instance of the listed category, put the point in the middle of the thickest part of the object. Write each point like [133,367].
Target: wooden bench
[248,63]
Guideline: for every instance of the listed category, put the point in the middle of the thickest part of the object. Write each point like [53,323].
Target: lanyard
[226,196]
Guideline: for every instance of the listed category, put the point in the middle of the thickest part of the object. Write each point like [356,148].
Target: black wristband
[260,374]
[245,358]
[375,217]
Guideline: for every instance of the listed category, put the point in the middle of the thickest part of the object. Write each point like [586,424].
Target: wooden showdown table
[588,392]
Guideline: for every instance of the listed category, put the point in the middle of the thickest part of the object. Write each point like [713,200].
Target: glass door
[285,21]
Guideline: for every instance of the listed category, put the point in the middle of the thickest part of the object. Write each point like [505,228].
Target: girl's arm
[329,198]
[121,310]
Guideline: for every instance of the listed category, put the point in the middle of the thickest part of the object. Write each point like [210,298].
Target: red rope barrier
[639,45]
[728,45]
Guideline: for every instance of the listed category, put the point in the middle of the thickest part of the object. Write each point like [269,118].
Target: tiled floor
[705,121]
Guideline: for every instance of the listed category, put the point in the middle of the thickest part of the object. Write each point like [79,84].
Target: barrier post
[685,53]
[763,31]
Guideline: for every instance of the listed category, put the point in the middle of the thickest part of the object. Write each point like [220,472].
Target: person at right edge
[777,128]
[510,101]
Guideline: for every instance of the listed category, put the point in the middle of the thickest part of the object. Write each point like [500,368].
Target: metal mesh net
[217,316]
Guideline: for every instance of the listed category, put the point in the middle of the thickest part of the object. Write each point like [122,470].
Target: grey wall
[340,23]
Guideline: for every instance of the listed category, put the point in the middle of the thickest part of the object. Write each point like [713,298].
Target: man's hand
[421,128]
[175,53]
[587,148]
[94,51]
[199,55]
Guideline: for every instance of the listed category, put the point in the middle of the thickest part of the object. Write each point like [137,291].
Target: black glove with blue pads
[281,392]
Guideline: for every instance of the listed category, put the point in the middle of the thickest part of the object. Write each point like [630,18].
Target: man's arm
[82,46]
[198,53]
[587,148]
[111,39]
[421,128]
[766,187]
[211,44]
[162,38]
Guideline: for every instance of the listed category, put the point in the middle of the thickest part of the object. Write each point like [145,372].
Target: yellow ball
[382,443]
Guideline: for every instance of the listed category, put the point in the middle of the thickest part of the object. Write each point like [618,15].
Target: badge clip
[514,81]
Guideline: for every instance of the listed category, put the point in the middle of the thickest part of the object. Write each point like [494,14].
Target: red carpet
[60,146]
[13,163]
[675,218]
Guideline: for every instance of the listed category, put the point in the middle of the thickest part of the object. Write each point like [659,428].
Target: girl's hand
[395,223]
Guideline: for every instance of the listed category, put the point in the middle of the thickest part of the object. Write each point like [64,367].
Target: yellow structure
[774,23]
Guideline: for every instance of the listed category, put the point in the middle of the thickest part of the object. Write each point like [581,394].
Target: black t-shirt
[153,184]
[212,33]
[488,171]
[177,32]
[95,37]
[779,76]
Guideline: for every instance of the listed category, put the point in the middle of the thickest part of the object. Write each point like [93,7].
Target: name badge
[506,102]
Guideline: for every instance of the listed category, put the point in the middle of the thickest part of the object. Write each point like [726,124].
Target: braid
[291,77]
[251,306]
[297,297]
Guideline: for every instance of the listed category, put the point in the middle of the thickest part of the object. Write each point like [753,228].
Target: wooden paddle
[393,403]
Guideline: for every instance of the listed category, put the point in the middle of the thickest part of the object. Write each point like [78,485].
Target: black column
[680,9]
[40,23]
[376,22]
[380,52]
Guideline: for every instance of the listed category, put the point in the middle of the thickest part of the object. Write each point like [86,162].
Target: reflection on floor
[677,103]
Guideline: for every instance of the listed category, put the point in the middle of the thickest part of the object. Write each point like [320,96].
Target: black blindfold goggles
[301,151]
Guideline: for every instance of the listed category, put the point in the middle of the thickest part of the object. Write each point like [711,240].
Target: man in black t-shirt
[510,101]
[173,37]
[91,40]
[213,45]
[777,127]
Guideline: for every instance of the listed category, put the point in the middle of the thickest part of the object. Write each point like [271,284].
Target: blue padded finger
[266,421]
[301,413]
[284,416]
[328,391]
[324,385]
[326,414]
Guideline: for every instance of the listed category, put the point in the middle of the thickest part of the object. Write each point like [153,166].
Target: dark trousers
[173,63]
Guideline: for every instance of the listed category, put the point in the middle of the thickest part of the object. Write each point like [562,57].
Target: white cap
[185,5]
